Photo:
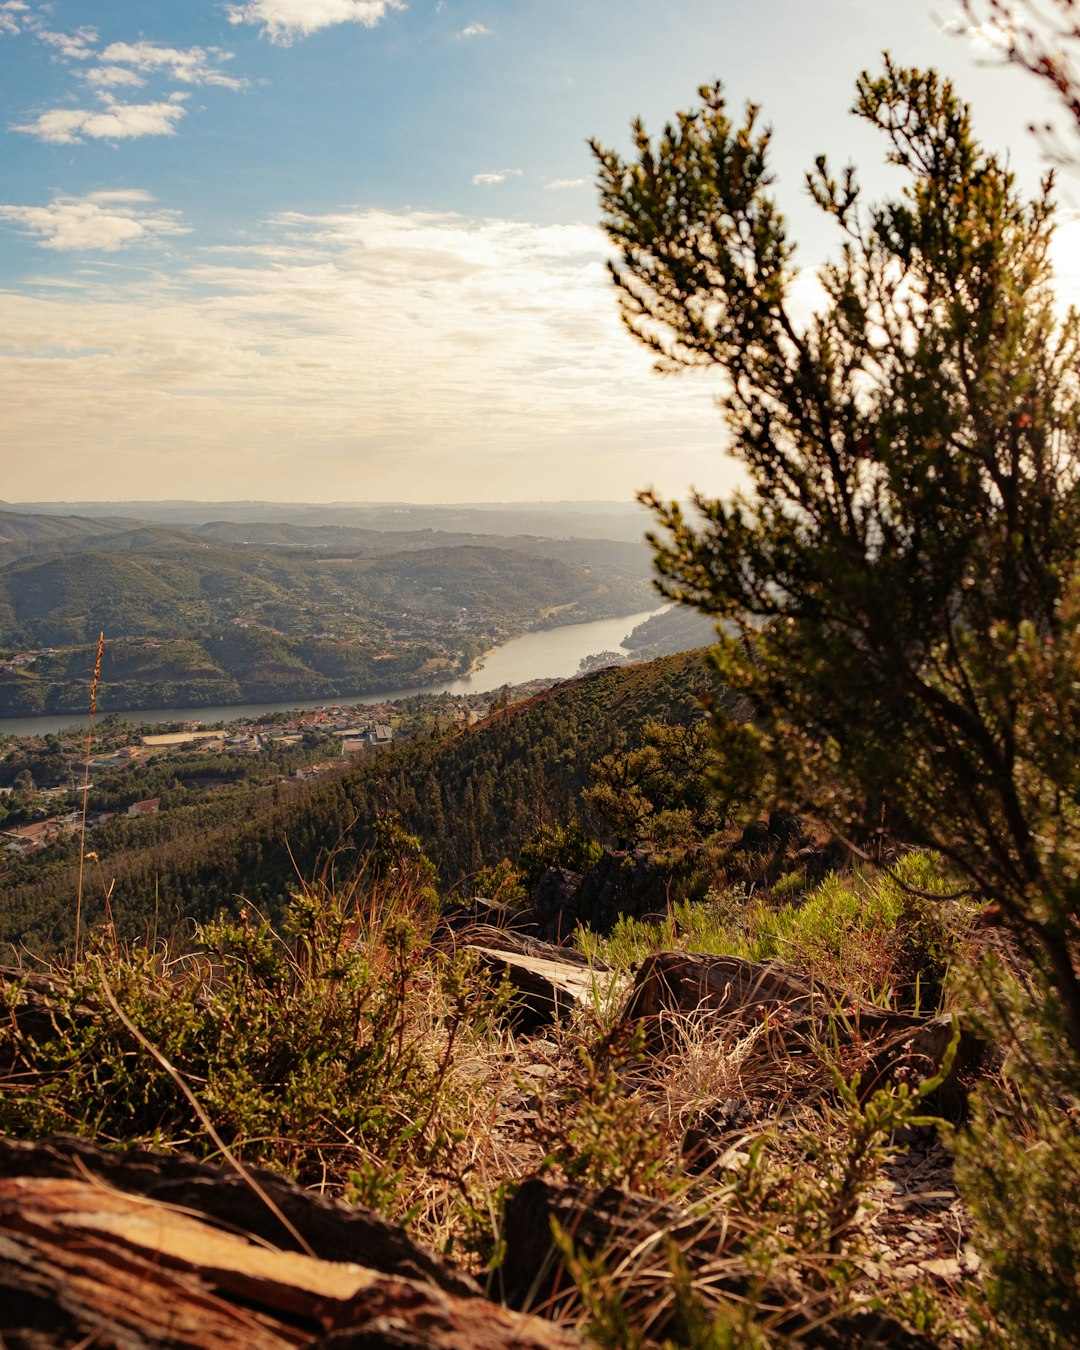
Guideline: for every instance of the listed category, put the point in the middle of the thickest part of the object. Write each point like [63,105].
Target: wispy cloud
[120,66]
[285,20]
[557,184]
[114,122]
[475,30]
[11,12]
[190,65]
[109,77]
[495,176]
[492,356]
[78,46]
[105,221]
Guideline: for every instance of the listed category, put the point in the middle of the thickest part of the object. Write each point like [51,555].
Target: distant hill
[676,629]
[192,623]
[599,520]
[633,558]
[171,591]
[24,532]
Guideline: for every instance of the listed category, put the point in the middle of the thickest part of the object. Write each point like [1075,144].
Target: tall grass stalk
[86,788]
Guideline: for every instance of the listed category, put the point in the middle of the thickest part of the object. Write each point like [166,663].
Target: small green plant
[598,1132]
[790,886]
[501,882]
[776,1241]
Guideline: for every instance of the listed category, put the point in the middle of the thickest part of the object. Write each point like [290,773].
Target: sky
[347,250]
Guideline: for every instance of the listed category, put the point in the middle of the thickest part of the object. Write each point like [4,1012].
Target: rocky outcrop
[735,994]
[548,981]
[133,1251]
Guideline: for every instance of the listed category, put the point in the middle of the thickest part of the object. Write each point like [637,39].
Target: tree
[638,791]
[902,575]
[1035,37]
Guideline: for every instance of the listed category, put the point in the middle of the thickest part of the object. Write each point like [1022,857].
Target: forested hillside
[473,797]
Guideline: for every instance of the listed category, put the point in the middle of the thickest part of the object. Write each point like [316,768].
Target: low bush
[327,1050]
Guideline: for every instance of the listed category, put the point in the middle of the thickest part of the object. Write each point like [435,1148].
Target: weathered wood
[84,1261]
[673,984]
[331,1228]
[545,990]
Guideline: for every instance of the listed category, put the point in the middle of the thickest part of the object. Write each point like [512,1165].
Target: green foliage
[789,1206]
[660,790]
[502,882]
[566,846]
[597,1132]
[868,933]
[1018,1162]
[472,798]
[304,1049]
[900,583]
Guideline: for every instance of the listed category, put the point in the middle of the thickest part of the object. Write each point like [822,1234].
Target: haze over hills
[625,521]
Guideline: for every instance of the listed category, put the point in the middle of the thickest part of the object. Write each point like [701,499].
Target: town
[43,779]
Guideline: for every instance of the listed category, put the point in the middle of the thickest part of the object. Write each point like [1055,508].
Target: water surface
[554,653]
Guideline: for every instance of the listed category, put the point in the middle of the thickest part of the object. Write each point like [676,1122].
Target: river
[553,653]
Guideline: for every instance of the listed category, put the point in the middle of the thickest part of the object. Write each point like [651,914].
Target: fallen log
[94,1258]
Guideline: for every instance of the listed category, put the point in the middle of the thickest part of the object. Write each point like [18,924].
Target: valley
[230,614]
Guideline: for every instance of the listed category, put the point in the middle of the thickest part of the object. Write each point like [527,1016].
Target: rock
[554,902]
[895,1048]
[331,1228]
[547,989]
[90,1256]
[914,1053]
[621,884]
[673,984]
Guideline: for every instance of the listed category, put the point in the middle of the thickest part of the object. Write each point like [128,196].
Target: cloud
[115,122]
[285,20]
[105,221]
[557,184]
[495,176]
[353,355]
[191,65]
[475,30]
[77,46]
[121,66]
[109,77]
[10,13]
